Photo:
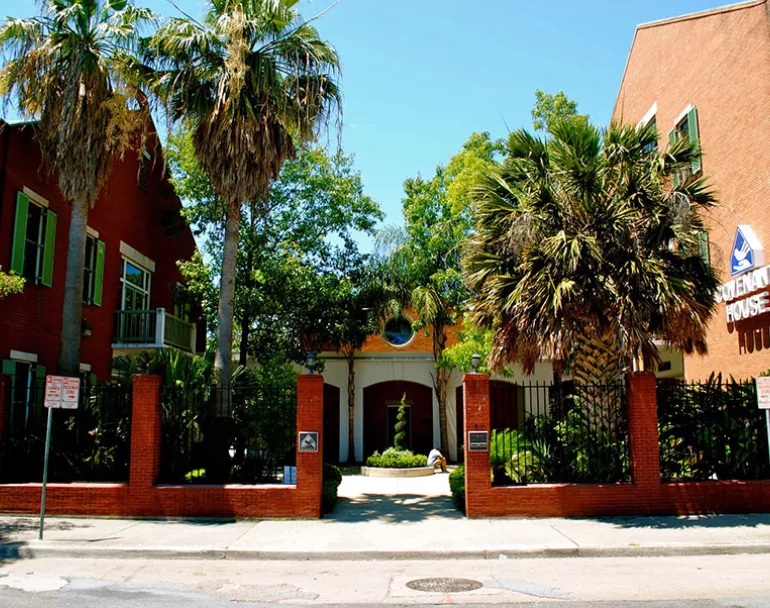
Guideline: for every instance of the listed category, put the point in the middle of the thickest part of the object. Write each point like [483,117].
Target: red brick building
[135,237]
[706,76]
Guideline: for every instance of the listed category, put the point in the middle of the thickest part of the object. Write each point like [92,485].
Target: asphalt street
[735,581]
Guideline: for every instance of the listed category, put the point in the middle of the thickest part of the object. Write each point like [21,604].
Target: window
[398,331]
[34,236]
[135,283]
[27,383]
[144,169]
[93,272]
[686,129]
[652,146]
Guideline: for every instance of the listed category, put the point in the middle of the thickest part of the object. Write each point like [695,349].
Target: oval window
[398,331]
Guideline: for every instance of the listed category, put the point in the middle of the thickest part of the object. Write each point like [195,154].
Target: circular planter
[383,472]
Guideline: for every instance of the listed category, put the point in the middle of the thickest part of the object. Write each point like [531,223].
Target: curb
[37,550]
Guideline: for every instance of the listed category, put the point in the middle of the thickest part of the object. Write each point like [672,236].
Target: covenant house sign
[747,265]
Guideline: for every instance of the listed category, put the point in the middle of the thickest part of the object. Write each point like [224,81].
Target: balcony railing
[152,329]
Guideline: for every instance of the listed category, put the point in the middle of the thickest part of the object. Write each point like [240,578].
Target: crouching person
[436,459]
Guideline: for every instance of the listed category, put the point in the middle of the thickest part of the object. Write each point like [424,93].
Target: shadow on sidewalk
[691,521]
[14,525]
[393,508]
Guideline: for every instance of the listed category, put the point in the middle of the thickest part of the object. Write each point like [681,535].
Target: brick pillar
[145,433]
[476,418]
[643,430]
[310,417]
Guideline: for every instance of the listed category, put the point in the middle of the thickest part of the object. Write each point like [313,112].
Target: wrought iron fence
[91,443]
[564,433]
[244,434]
[711,430]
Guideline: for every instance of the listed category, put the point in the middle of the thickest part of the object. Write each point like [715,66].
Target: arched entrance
[331,436]
[381,403]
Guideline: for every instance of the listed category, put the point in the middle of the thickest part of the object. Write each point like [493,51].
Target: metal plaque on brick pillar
[478,441]
[308,441]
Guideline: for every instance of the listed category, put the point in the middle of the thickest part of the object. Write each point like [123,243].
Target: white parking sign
[763,392]
[62,392]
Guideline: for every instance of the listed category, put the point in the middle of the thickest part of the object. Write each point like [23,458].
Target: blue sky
[419,76]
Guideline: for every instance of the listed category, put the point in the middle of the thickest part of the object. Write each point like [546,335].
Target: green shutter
[50,244]
[99,274]
[39,386]
[92,380]
[671,142]
[703,247]
[9,369]
[694,134]
[19,233]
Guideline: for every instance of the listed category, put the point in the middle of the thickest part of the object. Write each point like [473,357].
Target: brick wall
[147,220]
[720,63]
[646,495]
[142,497]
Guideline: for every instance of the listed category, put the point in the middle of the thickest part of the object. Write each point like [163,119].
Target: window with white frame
[135,285]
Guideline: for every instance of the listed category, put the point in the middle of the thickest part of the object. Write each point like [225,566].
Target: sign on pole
[61,392]
[763,401]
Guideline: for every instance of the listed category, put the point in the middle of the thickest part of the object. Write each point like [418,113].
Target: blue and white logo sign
[747,253]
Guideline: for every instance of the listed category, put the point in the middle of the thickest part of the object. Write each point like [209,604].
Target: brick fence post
[310,418]
[476,418]
[643,431]
[145,433]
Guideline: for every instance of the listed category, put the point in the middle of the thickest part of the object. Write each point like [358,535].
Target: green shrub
[457,486]
[329,496]
[332,473]
[393,458]
[332,478]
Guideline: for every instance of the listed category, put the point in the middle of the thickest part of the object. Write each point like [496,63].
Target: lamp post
[475,362]
[310,362]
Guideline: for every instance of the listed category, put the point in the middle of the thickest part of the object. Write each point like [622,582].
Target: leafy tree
[67,69]
[551,109]
[588,253]
[248,80]
[10,284]
[424,260]
[350,308]
[286,245]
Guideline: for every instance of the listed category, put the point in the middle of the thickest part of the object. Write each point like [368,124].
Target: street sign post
[60,393]
[763,401]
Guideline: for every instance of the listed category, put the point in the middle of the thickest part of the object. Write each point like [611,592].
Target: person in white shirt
[435,459]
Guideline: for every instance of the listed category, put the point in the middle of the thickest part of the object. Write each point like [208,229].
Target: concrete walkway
[386,519]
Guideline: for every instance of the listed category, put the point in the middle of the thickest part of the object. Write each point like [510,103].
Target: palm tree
[587,252]
[66,69]
[251,80]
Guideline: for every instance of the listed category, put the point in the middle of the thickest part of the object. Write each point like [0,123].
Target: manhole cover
[444,585]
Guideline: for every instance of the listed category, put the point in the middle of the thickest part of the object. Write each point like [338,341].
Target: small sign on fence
[763,392]
[308,441]
[478,441]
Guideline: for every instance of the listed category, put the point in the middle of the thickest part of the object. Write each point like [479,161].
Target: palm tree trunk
[597,370]
[72,310]
[350,356]
[243,351]
[223,361]
[440,384]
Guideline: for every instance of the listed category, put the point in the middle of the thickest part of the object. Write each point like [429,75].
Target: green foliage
[393,458]
[711,430]
[581,239]
[552,109]
[470,342]
[91,443]
[457,487]
[400,426]
[10,283]
[332,473]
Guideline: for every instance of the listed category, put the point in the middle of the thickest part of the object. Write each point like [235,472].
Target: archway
[380,406]
[331,430]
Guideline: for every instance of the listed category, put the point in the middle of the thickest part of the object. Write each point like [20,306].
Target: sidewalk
[386,519]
